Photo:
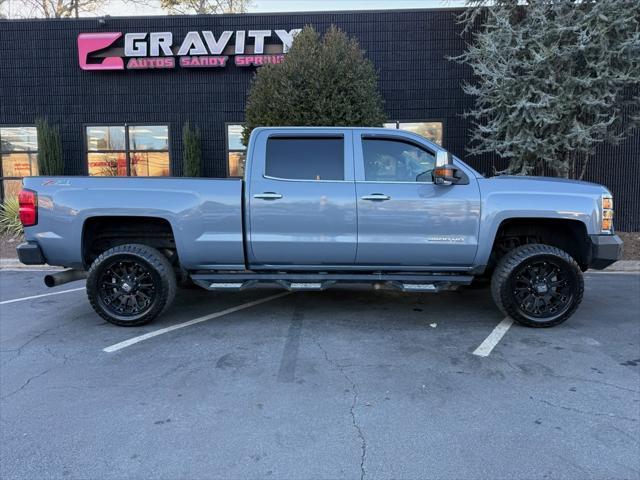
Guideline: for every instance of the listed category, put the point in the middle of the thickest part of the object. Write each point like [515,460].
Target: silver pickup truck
[320,206]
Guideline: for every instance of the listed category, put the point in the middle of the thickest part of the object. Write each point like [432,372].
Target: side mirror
[444,173]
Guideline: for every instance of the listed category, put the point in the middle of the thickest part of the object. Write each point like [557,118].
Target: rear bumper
[606,249]
[29,253]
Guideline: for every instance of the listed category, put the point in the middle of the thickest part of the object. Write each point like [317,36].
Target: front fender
[498,206]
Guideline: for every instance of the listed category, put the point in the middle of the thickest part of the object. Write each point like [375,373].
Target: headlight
[607,214]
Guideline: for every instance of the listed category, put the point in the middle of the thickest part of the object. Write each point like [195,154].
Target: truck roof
[326,128]
[385,130]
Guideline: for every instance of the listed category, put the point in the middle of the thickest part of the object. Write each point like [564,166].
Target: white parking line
[604,272]
[155,333]
[494,337]
[42,295]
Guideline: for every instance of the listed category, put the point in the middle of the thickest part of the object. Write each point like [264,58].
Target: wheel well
[102,233]
[568,235]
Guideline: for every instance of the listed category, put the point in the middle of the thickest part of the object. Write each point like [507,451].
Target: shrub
[9,217]
[192,157]
[50,160]
[323,81]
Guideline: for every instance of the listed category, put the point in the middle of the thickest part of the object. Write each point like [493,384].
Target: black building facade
[128,121]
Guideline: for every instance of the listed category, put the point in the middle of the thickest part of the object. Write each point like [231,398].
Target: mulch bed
[8,246]
[631,250]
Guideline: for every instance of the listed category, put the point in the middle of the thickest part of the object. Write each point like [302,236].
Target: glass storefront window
[19,139]
[148,138]
[150,164]
[18,157]
[19,164]
[236,151]
[105,138]
[11,188]
[110,164]
[236,164]
[128,150]
[429,130]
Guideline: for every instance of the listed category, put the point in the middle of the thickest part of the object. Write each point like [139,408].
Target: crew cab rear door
[404,219]
[301,199]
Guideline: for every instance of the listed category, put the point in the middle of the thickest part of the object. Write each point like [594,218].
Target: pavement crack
[19,349]
[32,339]
[29,380]
[65,358]
[587,412]
[352,408]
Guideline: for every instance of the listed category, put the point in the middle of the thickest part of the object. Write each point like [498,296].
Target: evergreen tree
[553,80]
[323,81]
[50,160]
[192,148]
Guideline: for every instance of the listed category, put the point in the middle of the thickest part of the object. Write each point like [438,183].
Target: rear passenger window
[305,158]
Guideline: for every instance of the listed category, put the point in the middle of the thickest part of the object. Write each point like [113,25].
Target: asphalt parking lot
[337,384]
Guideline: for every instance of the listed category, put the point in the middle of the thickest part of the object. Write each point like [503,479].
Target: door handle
[268,196]
[376,197]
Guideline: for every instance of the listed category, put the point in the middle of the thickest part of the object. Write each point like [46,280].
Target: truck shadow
[351,307]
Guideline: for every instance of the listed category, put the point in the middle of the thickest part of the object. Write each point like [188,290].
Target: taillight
[28,200]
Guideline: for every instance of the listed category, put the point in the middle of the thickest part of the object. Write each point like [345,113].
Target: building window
[430,130]
[18,157]
[128,150]
[236,151]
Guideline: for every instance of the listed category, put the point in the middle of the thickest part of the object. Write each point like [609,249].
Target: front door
[403,218]
[302,201]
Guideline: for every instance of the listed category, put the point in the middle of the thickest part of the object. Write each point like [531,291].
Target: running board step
[232,286]
[321,281]
[305,286]
[416,287]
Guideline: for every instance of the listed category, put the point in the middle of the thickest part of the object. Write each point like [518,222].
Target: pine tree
[323,81]
[553,80]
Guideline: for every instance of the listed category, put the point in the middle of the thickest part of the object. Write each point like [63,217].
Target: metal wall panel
[40,76]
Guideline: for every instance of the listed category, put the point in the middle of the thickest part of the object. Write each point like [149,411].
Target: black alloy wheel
[543,288]
[127,288]
[130,285]
[537,285]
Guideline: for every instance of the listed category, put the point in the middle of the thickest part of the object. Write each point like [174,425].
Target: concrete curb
[624,266]
[14,264]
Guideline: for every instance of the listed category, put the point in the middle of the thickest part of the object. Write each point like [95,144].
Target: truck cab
[363,198]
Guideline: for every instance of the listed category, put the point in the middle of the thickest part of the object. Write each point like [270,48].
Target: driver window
[387,160]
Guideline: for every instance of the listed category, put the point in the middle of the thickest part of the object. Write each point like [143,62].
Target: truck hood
[552,184]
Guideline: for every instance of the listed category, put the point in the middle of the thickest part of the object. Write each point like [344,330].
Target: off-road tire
[159,270]
[524,259]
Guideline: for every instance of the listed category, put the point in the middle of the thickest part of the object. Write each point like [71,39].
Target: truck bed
[205,215]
